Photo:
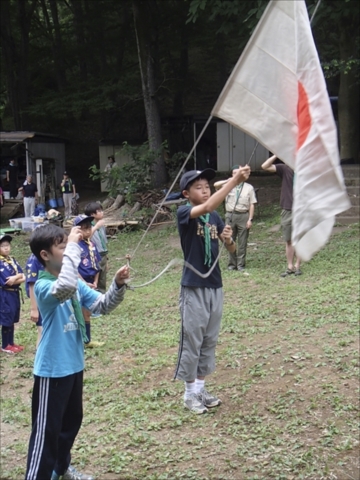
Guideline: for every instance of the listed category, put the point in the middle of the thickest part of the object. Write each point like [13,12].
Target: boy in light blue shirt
[59,362]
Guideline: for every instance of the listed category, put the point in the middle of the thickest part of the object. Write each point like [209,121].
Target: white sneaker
[194,404]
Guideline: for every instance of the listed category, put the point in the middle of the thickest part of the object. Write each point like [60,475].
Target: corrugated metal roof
[15,136]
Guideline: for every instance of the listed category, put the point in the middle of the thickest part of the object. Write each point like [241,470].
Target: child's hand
[122,275]
[242,174]
[75,235]
[34,315]
[10,280]
[91,285]
[227,232]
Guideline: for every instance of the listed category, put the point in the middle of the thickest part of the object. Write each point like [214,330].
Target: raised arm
[215,200]
[220,183]
[268,164]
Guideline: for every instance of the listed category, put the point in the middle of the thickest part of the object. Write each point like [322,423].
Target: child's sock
[87,328]
[4,337]
[199,384]
[11,335]
[189,389]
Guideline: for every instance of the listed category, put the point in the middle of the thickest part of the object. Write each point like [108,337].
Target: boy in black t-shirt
[201,299]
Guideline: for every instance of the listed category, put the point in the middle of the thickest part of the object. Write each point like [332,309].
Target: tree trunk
[80,38]
[141,12]
[11,59]
[58,48]
[25,13]
[348,102]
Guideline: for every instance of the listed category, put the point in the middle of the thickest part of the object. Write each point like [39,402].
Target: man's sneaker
[194,404]
[207,399]
[17,348]
[9,349]
[72,474]
[93,344]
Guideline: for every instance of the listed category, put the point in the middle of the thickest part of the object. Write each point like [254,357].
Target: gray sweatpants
[67,198]
[201,311]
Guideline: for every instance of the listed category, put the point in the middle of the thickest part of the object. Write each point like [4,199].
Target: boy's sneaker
[9,349]
[72,474]
[96,315]
[93,344]
[17,348]
[194,404]
[207,399]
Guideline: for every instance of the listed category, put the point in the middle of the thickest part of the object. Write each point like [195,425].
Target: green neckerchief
[205,219]
[75,303]
[238,193]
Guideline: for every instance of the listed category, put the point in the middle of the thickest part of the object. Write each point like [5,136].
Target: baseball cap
[5,238]
[235,167]
[192,175]
[65,173]
[82,219]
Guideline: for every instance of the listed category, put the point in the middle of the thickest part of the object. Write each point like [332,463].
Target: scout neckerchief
[205,219]
[75,303]
[91,253]
[10,261]
[15,288]
[238,193]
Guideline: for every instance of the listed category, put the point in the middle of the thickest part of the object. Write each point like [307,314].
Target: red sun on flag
[303,116]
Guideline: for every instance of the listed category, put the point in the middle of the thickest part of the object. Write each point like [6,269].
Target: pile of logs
[118,214]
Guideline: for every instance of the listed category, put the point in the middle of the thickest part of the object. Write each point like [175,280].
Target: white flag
[277,94]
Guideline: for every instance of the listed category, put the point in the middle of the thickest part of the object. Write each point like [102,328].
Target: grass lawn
[287,371]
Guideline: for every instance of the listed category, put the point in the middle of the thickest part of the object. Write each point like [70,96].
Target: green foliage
[135,176]
[335,66]
[174,163]
[132,177]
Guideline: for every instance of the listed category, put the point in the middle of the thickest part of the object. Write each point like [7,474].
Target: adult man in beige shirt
[240,207]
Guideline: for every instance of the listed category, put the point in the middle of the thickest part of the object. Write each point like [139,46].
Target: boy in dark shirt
[201,299]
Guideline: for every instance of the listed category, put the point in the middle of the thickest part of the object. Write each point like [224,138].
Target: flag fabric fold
[277,94]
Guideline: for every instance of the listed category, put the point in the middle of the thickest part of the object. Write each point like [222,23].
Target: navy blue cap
[192,175]
[82,219]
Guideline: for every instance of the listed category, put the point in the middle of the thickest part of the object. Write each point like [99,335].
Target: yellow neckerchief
[10,261]
[92,256]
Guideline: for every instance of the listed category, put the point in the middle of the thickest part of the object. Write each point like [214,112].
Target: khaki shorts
[286,219]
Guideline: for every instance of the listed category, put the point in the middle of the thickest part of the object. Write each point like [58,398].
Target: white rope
[180,261]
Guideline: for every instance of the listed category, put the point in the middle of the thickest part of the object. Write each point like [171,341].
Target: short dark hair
[44,237]
[92,208]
